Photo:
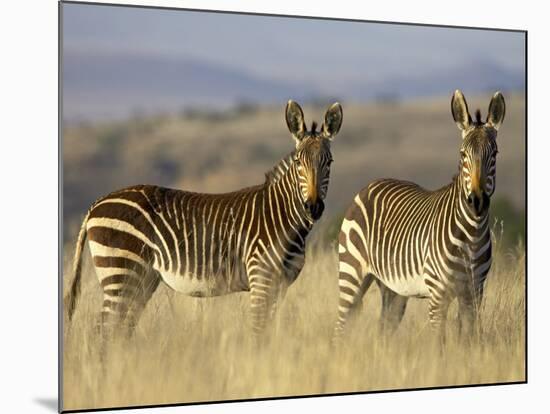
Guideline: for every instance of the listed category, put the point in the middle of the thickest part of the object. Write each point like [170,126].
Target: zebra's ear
[333,120]
[295,120]
[497,110]
[459,108]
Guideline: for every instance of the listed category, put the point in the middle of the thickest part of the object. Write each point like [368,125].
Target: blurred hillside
[209,151]
[110,86]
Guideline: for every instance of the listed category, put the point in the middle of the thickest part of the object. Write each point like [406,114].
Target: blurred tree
[512,218]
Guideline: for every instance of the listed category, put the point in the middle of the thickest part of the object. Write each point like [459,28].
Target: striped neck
[283,180]
[472,227]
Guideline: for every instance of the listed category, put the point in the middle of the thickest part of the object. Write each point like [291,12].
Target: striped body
[199,244]
[416,243]
[420,243]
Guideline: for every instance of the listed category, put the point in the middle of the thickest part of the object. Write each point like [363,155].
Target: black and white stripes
[419,243]
[210,244]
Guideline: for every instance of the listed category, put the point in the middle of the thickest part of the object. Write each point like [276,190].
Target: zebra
[420,243]
[206,245]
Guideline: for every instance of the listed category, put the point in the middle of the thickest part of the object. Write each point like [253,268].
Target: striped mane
[279,169]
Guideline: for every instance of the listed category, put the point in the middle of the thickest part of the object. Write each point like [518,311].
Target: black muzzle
[477,204]
[315,209]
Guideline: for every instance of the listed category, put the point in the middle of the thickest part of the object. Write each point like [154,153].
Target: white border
[29,202]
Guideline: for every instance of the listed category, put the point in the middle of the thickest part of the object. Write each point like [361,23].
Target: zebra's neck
[283,181]
[472,229]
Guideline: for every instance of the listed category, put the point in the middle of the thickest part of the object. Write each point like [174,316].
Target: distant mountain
[115,85]
[474,77]
[107,86]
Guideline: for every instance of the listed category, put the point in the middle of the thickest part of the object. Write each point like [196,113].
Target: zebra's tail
[74,292]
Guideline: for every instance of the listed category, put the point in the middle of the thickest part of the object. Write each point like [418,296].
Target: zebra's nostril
[316,209]
[477,203]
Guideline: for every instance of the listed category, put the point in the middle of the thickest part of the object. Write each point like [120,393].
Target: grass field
[192,349]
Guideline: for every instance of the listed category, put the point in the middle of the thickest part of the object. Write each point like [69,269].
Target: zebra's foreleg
[393,309]
[262,296]
[468,314]
[278,297]
[438,309]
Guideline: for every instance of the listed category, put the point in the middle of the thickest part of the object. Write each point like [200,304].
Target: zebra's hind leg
[352,291]
[393,309]
[124,299]
[149,285]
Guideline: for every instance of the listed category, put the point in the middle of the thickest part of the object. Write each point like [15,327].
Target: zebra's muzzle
[478,204]
[315,209]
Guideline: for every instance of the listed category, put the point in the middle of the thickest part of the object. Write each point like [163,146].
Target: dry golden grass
[191,349]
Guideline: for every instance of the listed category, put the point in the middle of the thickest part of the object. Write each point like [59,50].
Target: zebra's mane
[478,117]
[279,169]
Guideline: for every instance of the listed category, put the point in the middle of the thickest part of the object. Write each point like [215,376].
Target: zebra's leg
[278,297]
[263,290]
[438,309]
[466,319]
[351,295]
[393,309]
[124,302]
[149,285]
[469,304]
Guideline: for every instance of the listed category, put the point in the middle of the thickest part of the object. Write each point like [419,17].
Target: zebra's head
[312,157]
[478,152]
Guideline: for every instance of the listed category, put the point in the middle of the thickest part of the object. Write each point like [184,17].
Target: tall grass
[200,349]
